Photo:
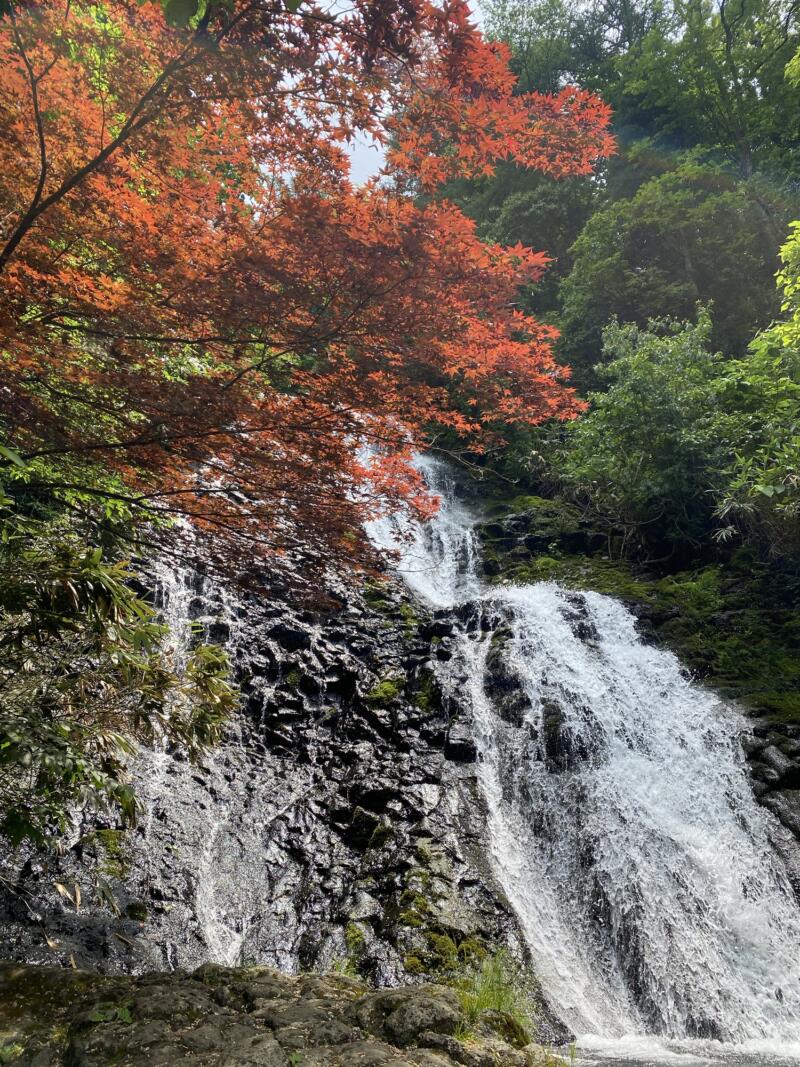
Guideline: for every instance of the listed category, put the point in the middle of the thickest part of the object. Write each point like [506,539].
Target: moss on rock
[387,690]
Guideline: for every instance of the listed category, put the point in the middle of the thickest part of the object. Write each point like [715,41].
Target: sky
[366,157]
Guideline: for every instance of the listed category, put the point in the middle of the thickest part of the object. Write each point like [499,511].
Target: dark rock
[460,744]
[363,825]
[786,805]
[563,747]
[291,638]
[291,843]
[787,770]
[419,1013]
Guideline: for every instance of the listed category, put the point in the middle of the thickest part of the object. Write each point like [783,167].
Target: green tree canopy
[692,235]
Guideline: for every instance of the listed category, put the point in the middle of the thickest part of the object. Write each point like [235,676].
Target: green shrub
[85,677]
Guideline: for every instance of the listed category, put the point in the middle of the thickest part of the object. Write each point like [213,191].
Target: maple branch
[136,120]
[154,338]
[37,112]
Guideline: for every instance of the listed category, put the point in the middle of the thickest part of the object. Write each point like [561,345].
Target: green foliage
[84,677]
[760,400]
[346,966]
[516,206]
[111,1013]
[495,984]
[760,397]
[641,459]
[683,445]
[714,76]
[690,236]
[695,205]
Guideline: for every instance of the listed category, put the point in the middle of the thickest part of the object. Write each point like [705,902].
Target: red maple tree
[200,314]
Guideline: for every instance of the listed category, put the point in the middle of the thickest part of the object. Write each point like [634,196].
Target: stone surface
[340,822]
[51,1017]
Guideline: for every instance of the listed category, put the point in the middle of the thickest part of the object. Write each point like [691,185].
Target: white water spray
[622,824]
[220,906]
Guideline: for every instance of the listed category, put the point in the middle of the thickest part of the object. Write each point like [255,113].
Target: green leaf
[180,12]
[17,827]
[9,453]
[293,5]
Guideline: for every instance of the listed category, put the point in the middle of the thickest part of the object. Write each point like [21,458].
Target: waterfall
[220,903]
[621,821]
[173,589]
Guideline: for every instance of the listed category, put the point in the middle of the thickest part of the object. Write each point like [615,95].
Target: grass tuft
[495,985]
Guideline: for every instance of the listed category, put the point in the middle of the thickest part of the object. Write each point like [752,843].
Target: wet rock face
[224,1017]
[340,821]
[773,753]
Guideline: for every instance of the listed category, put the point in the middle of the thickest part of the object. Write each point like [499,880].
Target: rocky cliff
[339,824]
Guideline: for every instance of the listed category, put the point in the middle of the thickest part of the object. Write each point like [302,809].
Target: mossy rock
[427,694]
[385,692]
[108,845]
[355,939]
[412,965]
[137,910]
[505,1026]
[409,617]
[383,833]
[378,597]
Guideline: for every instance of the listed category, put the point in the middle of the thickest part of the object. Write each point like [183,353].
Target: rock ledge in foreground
[236,1017]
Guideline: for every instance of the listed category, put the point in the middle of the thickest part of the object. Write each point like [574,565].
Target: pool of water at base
[640,1051]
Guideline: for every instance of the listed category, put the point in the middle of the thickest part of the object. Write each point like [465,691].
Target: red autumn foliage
[196,301]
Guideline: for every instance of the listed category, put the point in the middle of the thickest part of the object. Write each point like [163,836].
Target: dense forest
[663,281]
[577,276]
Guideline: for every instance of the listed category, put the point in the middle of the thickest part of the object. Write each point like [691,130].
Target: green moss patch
[385,691]
[109,846]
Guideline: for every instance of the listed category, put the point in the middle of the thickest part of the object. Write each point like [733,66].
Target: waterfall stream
[219,902]
[621,821]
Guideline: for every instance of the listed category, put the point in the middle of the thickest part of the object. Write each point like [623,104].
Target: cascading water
[218,901]
[173,594]
[622,824]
